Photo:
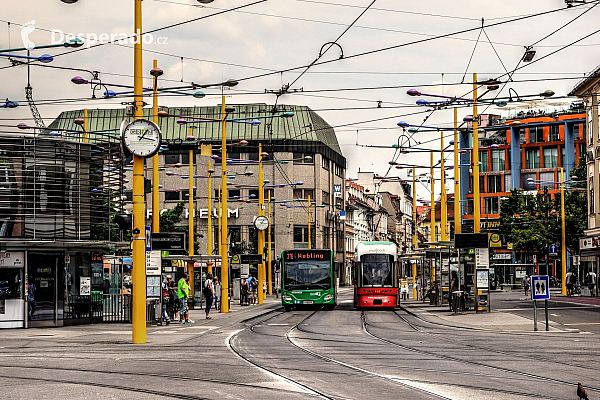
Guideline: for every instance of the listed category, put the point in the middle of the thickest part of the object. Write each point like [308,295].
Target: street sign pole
[535,315]
[546,309]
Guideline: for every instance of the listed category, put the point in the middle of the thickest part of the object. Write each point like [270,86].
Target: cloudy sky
[388,47]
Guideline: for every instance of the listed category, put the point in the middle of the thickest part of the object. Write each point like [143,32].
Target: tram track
[469,362]
[496,351]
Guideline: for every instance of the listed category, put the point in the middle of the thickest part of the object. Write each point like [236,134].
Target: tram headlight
[287,298]
[328,297]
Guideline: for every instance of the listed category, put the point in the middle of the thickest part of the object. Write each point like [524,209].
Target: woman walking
[209,293]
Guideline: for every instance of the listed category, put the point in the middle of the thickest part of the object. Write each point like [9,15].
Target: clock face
[142,138]
[261,223]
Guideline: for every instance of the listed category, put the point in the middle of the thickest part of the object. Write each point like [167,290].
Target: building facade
[302,159]
[589,91]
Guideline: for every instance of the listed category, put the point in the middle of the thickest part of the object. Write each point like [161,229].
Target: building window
[554,135]
[301,236]
[536,134]
[550,157]
[522,136]
[525,182]
[304,193]
[325,163]
[302,158]
[326,238]
[490,205]
[326,198]
[591,194]
[129,195]
[172,195]
[532,158]
[494,183]
[548,177]
[339,171]
[507,182]
[483,159]
[498,160]
[253,156]
[171,158]
[576,132]
[233,193]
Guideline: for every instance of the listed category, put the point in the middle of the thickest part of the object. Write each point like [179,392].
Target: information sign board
[540,289]
[483,279]
[482,258]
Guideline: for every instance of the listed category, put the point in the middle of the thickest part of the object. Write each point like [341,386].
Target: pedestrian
[417,289]
[591,281]
[31,299]
[526,283]
[454,287]
[568,280]
[217,293]
[244,292]
[183,292]
[173,299]
[254,290]
[165,299]
[209,292]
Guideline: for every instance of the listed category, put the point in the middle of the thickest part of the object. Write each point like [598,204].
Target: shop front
[12,289]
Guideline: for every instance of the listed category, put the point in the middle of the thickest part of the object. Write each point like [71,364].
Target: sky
[388,47]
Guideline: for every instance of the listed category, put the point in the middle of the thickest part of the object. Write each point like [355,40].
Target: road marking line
[583,323]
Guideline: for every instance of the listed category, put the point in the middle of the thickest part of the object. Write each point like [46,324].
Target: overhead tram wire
[322,53]
[446,35]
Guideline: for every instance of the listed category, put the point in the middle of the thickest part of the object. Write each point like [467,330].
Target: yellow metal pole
[457,215]
[443,204]
[224,229]
[85,125]
[414,232]
[220,237]
[138,274]
[309,244]
[191,220]
[432,237]
[476,199]
[563,259]
[432,213]
[209,226]
[155,179]
[270,271]
[261,234]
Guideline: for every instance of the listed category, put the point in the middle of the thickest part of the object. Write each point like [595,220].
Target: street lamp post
[155,72]
[563,258]
[261,234]
[414,231]
[457,214]
[138,275]
[476,194]
[209,226]
[443,205]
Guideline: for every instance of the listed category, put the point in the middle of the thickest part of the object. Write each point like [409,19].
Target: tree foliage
[531,222]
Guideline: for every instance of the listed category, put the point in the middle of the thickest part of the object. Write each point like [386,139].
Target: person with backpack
[217,293]
[244,292]
[165,299]
[591,281]
[209,293]
[173,300]
[253,285]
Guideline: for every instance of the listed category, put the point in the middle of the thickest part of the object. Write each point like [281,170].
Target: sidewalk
[120,333]
[494,320]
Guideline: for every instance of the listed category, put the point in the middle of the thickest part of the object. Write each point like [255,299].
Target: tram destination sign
[292,255]
[471,240]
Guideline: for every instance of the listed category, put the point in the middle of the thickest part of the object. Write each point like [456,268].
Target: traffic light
[124,221]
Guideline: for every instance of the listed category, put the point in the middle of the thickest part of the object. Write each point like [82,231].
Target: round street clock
[142,138]
[261,223]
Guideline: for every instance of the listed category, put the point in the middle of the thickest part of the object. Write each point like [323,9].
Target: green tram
[308,278]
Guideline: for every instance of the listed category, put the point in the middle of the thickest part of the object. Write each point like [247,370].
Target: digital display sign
[293,255]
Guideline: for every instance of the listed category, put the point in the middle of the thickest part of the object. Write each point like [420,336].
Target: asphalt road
[339,354]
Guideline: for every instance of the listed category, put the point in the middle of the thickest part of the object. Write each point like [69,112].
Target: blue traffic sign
[540,288]
[553,249]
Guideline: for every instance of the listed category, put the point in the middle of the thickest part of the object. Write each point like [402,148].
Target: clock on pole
[261,223]
[142,138]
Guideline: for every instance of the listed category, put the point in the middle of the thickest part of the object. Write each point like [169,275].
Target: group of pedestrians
[249,291]
[175,300]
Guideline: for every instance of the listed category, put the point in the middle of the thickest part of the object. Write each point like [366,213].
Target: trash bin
[433,297]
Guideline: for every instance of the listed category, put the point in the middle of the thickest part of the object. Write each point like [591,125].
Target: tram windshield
[376,270]
[307,275]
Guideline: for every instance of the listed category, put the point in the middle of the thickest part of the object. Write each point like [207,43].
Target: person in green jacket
[183,292]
